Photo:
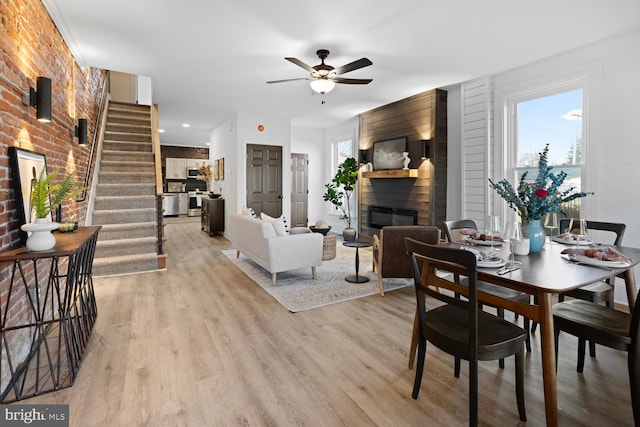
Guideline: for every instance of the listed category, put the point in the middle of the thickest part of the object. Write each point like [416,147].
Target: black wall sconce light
[363,156]
[426,153]
[41,99]
[81,131]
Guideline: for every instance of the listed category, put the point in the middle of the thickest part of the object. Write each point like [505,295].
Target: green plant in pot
[339,192]
[44,198]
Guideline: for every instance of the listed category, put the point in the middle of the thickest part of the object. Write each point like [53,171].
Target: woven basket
[328,247]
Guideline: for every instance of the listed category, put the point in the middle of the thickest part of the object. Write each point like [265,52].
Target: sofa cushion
[279,224]
[249,212]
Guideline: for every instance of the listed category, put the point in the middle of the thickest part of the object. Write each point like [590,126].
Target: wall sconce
[81,131]
[425,148]
[363,156]
[41,99]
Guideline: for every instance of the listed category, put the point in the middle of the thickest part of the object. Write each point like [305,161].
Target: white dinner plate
[485,242]
[583,259]
[492,263]
[582,242]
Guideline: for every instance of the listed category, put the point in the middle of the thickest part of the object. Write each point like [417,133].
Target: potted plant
[339,192]
[44,198]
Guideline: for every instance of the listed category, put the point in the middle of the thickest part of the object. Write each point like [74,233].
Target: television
[387,154]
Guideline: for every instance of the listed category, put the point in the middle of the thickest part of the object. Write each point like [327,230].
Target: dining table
[544,275]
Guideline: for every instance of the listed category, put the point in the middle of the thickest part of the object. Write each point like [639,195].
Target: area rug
[297,291]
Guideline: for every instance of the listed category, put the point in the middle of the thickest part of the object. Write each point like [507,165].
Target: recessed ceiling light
[161,130]
[206,143]
[185,125]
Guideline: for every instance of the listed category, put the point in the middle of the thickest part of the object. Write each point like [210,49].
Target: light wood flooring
[201,345]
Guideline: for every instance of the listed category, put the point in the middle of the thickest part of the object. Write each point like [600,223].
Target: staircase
[125,202]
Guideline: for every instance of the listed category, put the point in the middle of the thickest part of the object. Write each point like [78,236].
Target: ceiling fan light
[322,85]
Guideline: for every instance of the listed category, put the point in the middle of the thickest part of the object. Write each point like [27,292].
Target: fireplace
[379,216]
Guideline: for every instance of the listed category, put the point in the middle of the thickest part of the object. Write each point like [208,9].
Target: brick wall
[31,46]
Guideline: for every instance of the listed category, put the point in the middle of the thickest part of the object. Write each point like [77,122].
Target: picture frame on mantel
[26,167]
[387,154]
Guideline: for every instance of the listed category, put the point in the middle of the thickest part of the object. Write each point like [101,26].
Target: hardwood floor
[201,345]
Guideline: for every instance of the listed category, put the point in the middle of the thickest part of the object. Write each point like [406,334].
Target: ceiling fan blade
[352,81]
[289,80]
[301,64]
[360,63]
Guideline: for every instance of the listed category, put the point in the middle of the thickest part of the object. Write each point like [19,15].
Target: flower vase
[536,236]
[40,237]
[349,234]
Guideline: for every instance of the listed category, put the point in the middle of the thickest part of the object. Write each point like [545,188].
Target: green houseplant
[46,196]
[339,192]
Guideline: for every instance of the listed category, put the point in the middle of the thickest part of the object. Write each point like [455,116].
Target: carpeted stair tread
[127,231]
[121,247]
[117,216]
[124,202]
[125,264]
[118,155]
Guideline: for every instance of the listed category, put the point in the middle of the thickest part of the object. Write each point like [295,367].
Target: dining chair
[460,327]
[605,326]
[389,253]
[451,229]
[600,291]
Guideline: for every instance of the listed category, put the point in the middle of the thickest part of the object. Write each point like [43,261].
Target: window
[557,120]
[341,149]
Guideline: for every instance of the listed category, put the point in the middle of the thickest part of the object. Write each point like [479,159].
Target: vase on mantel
[40,237]
[536,236]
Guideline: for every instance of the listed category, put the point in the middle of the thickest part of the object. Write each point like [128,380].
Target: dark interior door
[299,190]
[264,179]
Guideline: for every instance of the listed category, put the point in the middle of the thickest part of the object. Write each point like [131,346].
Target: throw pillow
[277,223]
[249,212]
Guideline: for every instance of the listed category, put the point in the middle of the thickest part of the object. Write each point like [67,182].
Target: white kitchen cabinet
[183,205]
[176,168]
[195,163]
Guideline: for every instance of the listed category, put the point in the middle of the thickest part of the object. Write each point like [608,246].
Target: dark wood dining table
[545,274]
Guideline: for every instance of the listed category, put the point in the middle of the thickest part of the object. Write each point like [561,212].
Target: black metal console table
[53,290]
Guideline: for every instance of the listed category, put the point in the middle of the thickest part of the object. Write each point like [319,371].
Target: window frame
[506,100]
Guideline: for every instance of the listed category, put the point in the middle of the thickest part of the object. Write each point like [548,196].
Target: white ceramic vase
[40,237]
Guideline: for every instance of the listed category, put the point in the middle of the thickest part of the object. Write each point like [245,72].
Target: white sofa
[258,240]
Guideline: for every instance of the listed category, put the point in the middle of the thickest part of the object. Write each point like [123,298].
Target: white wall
[230,139]
[310,141]
[614,131]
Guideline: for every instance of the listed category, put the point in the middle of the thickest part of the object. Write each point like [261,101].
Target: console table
[47,315]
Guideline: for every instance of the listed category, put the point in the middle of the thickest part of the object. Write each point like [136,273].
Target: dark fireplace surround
[380,216]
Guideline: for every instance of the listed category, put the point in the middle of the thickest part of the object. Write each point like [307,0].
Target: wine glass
[578,228]
[552,225]
[513,235]
[493,228]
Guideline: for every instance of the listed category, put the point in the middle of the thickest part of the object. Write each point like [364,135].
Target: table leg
[548,359]
[630,284]
[357,278]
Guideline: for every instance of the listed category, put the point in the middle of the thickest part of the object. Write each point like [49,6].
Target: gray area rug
[297,291]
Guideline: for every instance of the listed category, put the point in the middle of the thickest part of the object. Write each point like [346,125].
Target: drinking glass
[513,236]
[493,227]
[552,225]
[578,227]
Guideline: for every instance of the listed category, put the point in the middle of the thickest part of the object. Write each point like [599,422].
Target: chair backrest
[394,261]
[614,227]
[451,228]
[428,262]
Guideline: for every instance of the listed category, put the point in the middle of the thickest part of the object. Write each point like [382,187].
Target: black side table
[357,278]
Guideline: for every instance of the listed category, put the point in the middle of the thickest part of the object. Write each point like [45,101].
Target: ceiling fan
[324,77]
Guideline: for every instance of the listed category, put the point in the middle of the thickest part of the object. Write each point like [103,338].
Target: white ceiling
[209,58]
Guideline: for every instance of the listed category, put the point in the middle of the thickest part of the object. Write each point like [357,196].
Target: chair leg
[520,384]
[422,349]
[380,285]
[592,349]
[456,367]
[527,342]
[634,381]
[414,340]
[556,338]
[581,347]
[500,312]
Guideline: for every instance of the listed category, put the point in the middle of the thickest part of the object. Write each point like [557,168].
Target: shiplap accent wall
[477,140]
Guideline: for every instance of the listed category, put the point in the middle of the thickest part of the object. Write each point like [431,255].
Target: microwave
[192,173]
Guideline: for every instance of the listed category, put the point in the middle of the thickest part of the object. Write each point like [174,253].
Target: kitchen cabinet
[212,217]
[183,204]
[195,163]
[176,168]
